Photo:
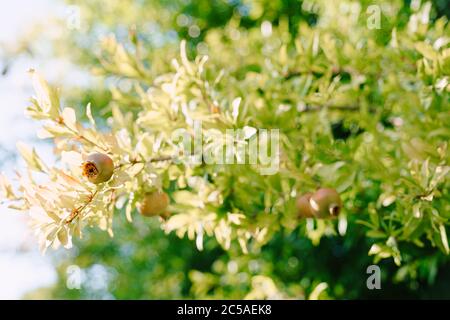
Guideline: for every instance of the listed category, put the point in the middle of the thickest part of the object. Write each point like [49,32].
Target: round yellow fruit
[304,209]
[98,168]
[154,204]
[325,203]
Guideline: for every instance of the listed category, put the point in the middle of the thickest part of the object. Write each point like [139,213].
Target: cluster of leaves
[362,110]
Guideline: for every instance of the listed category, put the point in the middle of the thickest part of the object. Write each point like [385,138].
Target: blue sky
[22,267]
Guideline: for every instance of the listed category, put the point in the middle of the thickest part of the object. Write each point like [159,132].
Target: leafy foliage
[361,110]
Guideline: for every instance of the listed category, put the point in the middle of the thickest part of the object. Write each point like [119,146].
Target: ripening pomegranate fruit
[325,203]
[304,209]
[154,204]
[98,168]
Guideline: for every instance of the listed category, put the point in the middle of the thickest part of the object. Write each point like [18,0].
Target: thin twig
[134,162]
[314,108]
[60,121]
[76,212]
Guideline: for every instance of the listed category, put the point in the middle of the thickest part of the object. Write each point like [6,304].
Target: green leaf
[31,157]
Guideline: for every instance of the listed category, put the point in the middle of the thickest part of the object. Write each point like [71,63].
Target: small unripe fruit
[304,209]
[326,203]
[154,204]
[98,168]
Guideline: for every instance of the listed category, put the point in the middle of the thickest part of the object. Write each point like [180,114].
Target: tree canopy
[357,94]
